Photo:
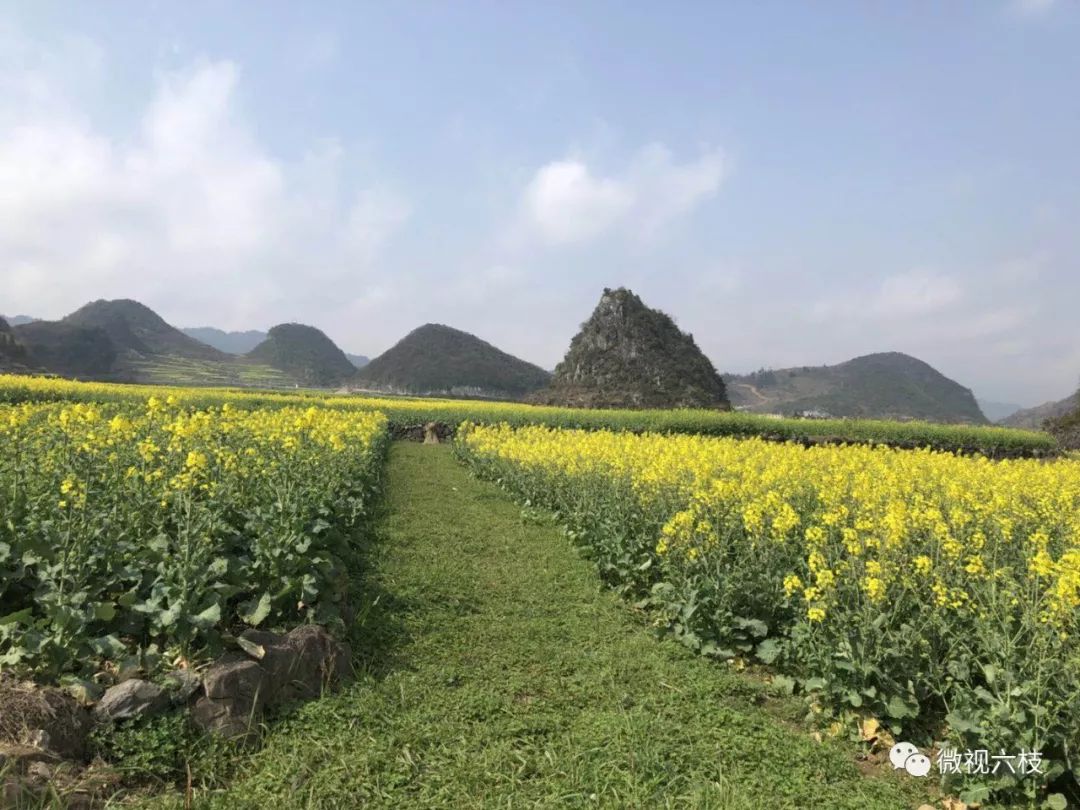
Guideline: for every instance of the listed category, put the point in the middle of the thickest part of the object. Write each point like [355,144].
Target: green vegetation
[243,373]
[134,328]
[1066,428]
[304,353]
[135,533]
[994,441]
[1040,416]
[495,673]
[629,356]
[12,353]
[889,385]
[67,349]
[437,359]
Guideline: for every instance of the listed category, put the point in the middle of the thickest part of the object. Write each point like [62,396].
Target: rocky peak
[628,355]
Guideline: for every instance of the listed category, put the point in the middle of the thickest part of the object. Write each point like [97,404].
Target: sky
[795,183]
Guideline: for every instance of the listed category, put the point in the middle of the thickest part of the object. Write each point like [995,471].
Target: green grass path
[500,674]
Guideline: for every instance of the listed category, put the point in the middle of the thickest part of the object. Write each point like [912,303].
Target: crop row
[136,532]
[995,441]
[934,593]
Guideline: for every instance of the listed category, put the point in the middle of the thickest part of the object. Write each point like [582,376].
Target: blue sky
[796,183]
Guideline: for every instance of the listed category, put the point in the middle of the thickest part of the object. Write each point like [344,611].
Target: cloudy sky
[796,183]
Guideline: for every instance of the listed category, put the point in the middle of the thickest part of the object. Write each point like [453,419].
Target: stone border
[229,698]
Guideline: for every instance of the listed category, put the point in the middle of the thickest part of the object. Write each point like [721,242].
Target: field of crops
[934,593]
[405,410]
[140,530]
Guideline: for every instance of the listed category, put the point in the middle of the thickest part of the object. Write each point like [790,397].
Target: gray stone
[132,698]
[234,693]
[182,684]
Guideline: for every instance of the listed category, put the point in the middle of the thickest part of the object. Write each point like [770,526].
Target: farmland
[935,593]
[136,533]
[413,410]
[918,593]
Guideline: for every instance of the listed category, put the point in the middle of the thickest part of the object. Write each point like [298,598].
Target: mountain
[135,328]
[890,385]
[996,411]
[124,341]
[228,342]
[12,352]
[1034,418]
[1066,427]
[629,356]
[17,320]
[305,353]
[437,359]
[358,360]
[67,349]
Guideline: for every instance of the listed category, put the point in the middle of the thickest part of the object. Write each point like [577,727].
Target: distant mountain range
[996,411]
[1034,418]
[437,359]
[124,341]
[244,342]
[889,385]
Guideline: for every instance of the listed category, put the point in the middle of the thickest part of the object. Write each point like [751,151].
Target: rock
[234,693]
[298,665]
[431,435]
[271,671]
[40,772]
[630,356]
[132,698]
[182,684]
[39,738]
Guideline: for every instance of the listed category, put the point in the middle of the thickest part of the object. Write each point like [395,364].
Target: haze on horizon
[796,184]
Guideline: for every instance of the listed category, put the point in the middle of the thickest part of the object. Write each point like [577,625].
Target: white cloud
[188,211]
[566,202]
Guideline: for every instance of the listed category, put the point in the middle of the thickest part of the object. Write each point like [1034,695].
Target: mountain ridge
[882,385]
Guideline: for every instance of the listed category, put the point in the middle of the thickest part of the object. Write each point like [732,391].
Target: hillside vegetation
[1037,417]
[630,356]
[437,359]
[12,353]
[304,353]
[124,341]
[890,385]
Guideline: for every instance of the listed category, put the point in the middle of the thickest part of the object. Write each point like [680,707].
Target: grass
[497,673]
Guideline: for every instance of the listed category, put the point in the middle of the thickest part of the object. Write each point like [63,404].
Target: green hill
[84,352]
[890,385]
[437,359]
[304,353]
[12,352]
[124,341]
[137,329]
[1037,417]
[630,356]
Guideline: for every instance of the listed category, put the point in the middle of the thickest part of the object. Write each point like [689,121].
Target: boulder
[132,698]
[272,671]
[234,693]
